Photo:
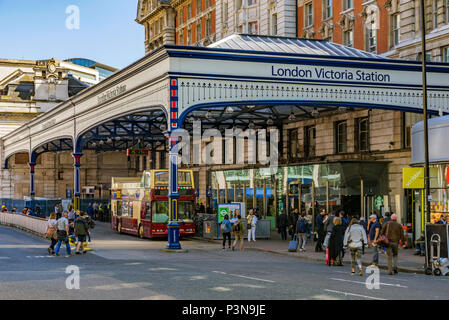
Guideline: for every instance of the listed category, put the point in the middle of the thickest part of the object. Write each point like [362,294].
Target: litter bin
[437,246]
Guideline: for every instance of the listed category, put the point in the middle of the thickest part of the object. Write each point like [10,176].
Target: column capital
[77,158]
[32,165]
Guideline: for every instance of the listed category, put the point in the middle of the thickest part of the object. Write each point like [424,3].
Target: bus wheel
[119,227]
[140,232]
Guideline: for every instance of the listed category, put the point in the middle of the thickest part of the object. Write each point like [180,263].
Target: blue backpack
[302,226]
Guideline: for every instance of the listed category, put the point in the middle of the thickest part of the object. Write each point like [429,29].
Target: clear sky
[36,29]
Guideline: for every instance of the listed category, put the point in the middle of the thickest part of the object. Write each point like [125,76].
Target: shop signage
[137,152]
[112,93]
[413,178]
[226,208]
[330,74]
[378,202]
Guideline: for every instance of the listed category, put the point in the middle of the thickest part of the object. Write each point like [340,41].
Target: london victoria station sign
[321,73]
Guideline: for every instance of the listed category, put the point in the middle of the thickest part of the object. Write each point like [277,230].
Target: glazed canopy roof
[290,45]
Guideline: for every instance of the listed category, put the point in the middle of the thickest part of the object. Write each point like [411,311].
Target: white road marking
[396,279]
[353,294]
[120,286]
[159,297]
[200,277]
[4,258]
[162,269]
[133,263]
[246,277]
[362,282]
[40,257]
[221,289]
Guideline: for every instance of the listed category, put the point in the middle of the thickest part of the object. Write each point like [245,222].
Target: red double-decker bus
[139,206]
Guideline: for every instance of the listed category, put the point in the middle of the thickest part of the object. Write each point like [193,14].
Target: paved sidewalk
[407,261]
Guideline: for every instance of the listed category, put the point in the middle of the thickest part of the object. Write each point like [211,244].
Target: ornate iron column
[173,195]
[77,181]
[32,191]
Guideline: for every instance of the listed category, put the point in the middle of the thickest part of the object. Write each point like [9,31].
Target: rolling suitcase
[293,245]
[327,257]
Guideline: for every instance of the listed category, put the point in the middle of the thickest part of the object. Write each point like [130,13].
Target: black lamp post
[424,89]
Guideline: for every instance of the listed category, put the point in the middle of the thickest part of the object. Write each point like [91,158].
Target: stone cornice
[160,7]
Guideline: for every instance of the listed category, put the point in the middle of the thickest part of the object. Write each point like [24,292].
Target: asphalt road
[125,267]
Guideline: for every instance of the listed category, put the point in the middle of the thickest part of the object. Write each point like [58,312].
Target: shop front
[438,173]
[352,186]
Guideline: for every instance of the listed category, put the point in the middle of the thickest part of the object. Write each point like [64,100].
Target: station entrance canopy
[263,77]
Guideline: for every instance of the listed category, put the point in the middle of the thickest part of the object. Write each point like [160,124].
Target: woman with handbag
[50,233]
[355,238]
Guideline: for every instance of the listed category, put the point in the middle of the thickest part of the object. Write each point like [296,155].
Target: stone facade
[202,22]
[27,89]
[437,31]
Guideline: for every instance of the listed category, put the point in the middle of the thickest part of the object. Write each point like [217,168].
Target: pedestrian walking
[282,225]
[90,223]
[328,226]
[319,228]
[51,231]
[355,237]
[239,231]
[90,211]
[336,242]
[309,218]
[373,234]
[95,207]
[251,226]
[81,232]
[72,214]
[292,221]
[393,231]
[63,234]
[226,229]
[302,226]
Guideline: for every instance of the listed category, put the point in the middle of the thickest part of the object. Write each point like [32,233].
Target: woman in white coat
[355,238]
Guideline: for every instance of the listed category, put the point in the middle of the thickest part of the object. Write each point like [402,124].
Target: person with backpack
[355,237]
[239,232]
[81,231]
[302,226]
[90,223]
[226,228]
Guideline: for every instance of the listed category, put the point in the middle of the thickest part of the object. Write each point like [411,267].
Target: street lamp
[424,89]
